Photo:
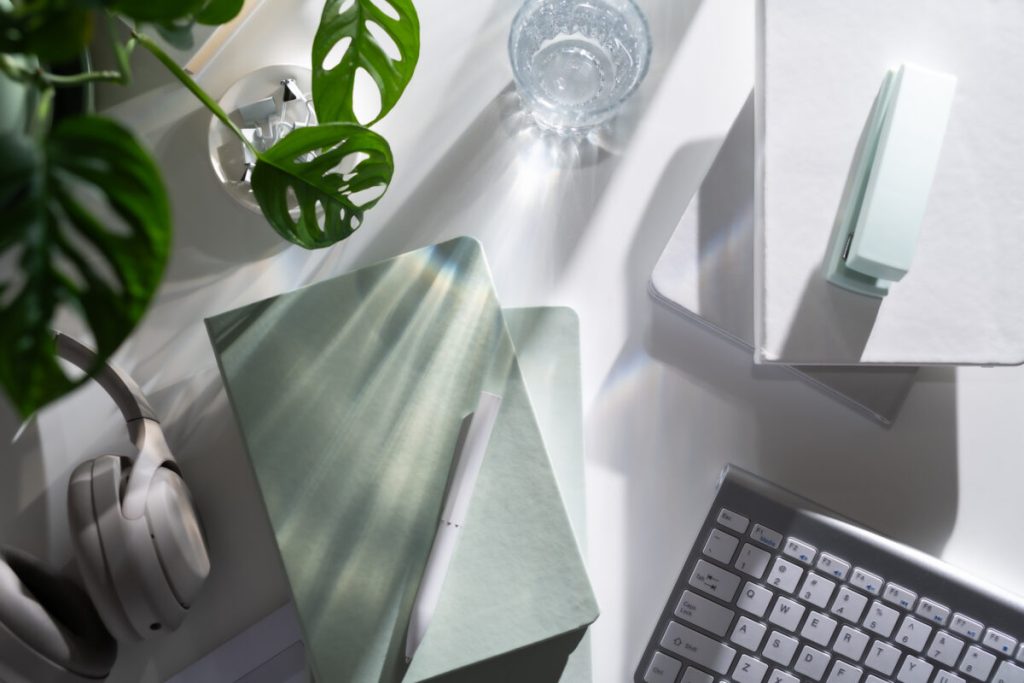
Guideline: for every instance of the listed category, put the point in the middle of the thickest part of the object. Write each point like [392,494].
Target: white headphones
[138,544]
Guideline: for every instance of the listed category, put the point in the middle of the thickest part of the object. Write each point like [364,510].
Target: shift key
[697,648]
[715,582]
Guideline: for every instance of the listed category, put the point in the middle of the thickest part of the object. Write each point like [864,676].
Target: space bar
[697,648]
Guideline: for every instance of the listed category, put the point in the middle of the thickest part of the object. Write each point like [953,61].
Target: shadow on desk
[508,182]
[212,233]
[681,402]
[23,491]
[528,194]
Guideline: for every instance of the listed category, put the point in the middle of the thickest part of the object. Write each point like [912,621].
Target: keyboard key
[721,546]
[697,648]
[977,663]
[844,673]
[945,649]
[664,669]
[914,670]
[748,634]
[850,643]
[913,634]
[966,626]
[812,663]
[779,676]
[899,596]
[882,657]
[766,536]
[866,581]
[715,582]
[874,679]
[785,575]
[849,605]
[787,614]
[753,561]
[1020,653]
[819,629]
[933,611]
[754,599]
[817,590]
[749,670]
[730,520]
[947,677]
[881,619]
[700,611]
[833,566]
[800,551]
[999,641]
[1009,673]
[780,648]
[695,675]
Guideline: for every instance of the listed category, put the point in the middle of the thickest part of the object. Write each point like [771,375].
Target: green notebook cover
[349,394]
[547,344]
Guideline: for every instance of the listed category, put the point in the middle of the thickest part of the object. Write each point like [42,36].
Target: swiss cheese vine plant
[85,222]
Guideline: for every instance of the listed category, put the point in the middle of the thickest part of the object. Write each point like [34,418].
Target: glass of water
[576,61]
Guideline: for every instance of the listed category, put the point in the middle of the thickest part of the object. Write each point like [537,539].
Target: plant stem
[45,79]
[16,72]
[186,80]
[62,81]
[121,52]
[40,123]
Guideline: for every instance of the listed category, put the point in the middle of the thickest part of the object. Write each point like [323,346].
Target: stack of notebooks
[350,395]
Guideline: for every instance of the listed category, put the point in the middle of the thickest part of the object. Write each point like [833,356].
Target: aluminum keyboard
[780,590]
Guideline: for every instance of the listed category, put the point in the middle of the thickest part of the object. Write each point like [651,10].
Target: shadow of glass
[527,193]
[510,183]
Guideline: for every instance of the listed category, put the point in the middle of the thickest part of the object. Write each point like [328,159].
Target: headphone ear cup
[48,628]
[92,564]
[177,535]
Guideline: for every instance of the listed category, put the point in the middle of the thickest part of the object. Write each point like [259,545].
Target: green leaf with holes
[315,166]
[87,229]
[350,21]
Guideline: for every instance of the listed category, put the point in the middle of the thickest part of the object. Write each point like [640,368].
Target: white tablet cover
[821,63]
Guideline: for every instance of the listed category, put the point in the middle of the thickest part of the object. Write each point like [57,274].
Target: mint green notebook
[547,344]
[349,394]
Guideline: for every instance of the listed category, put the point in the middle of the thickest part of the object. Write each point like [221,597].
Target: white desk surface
[666,403]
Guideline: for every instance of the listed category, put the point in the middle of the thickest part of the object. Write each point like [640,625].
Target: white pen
[469,456]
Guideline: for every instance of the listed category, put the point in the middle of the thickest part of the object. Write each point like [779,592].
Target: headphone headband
[118,385]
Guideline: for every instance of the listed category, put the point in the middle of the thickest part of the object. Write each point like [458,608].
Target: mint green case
[876,234]
[349,394]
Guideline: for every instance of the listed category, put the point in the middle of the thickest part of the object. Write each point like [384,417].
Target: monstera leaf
[348,25]
[328,169]
[61,253]
[334,171]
